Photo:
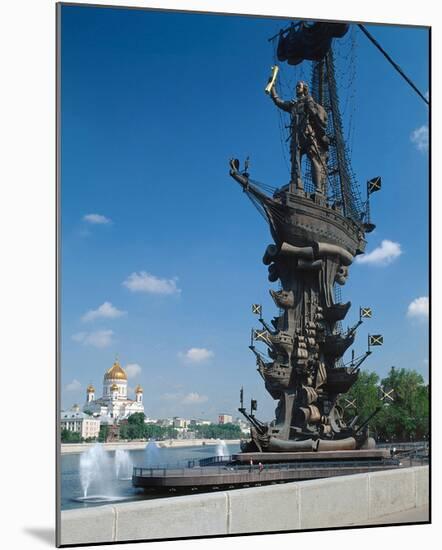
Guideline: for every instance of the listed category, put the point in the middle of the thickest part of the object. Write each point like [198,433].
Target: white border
[27,225]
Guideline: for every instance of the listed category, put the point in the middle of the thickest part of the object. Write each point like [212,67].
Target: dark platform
[358,455]
[237,474]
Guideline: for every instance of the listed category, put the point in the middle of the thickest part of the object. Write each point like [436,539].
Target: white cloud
[170,396]
[420,138]
[419,308]
[97,219]
[97,339]
[145,282]
[75,385]
[132,370]
[105,311]
[193,398]
[384,254]
[196,355]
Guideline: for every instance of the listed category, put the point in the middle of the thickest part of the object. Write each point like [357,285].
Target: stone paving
[408,516]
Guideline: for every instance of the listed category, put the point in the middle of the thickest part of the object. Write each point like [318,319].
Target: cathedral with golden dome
[114,403]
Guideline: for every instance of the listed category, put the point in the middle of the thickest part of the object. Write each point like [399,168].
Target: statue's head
[301,89]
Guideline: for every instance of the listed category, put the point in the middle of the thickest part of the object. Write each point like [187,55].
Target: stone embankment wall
[330,502]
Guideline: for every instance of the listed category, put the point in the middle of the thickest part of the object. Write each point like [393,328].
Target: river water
[107,474]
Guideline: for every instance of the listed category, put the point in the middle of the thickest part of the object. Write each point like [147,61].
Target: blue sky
[161,251]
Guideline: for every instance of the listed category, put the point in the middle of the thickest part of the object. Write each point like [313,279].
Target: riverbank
[68,448]
[375,498]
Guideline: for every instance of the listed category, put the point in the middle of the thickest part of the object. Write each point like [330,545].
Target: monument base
[310,456]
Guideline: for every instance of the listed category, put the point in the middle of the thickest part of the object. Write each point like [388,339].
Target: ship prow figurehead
[243,178]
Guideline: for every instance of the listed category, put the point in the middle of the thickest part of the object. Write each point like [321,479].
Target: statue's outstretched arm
[284,105]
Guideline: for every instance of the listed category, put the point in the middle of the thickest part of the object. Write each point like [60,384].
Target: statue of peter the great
[307,135]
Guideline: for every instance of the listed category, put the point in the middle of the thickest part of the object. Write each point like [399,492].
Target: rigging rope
[257,205]
[395,65]
[264,186]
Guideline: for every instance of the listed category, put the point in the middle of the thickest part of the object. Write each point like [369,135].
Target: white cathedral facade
[114,403]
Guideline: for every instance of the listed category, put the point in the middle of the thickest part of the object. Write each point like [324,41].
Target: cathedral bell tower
[90,393]
[139,394]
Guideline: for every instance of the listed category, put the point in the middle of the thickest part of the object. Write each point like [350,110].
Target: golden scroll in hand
[272,79]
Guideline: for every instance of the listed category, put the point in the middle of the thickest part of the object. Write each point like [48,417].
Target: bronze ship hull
[302,221]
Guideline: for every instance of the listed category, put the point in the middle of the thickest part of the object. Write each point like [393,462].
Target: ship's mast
[342,188]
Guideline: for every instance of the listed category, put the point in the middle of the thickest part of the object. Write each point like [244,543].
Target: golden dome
[115,372]
[138,389]
[114,387]
[90,389]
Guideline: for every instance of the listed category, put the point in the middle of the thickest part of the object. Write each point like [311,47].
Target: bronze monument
[307,135]
[318,223]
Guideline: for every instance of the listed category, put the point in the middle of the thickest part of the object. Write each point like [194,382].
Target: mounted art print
[232,366]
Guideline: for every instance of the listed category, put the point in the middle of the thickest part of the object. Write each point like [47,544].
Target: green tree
[158,432]
[408,415]
[171,432]
[137,419]
[124,431]
[218,431]
[134,428]
[65,436]
[70,437]
[404,418]
[104,432]
[365,394]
